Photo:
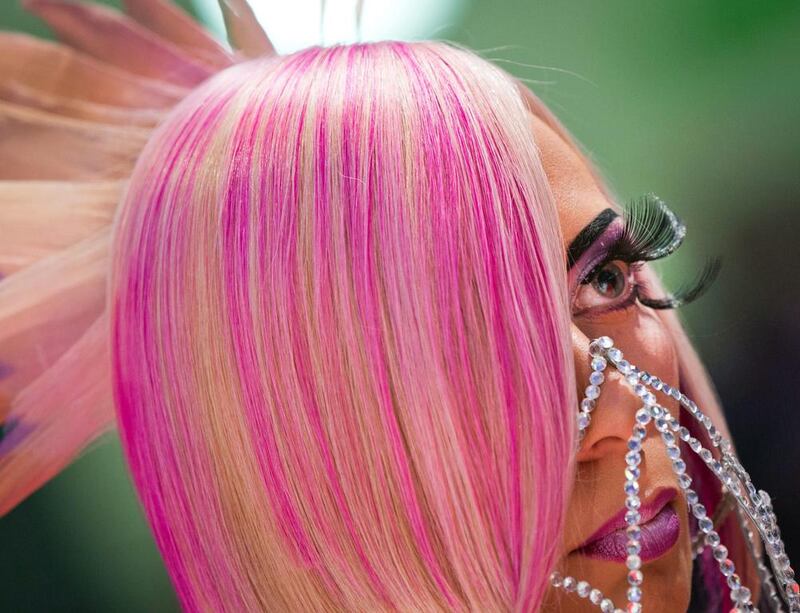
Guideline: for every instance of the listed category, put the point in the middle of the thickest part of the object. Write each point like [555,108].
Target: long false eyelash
[689,291]
[651,230]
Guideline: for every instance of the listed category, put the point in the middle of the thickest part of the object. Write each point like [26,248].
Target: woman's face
[594,539]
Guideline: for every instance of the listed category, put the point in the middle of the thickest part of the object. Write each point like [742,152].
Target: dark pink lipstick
[660,528]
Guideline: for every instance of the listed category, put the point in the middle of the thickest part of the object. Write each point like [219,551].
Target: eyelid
[595,266]
[586,272]
[602,250]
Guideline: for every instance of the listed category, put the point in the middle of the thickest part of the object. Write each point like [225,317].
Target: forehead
[578,197]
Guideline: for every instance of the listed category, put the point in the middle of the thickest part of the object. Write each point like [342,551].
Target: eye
[609,287]
[609,281]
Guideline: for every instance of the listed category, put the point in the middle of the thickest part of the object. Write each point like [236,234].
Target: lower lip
[658,537]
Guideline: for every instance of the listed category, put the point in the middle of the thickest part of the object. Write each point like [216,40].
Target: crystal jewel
[776,573]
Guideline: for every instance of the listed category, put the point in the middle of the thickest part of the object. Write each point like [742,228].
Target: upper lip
[649,509]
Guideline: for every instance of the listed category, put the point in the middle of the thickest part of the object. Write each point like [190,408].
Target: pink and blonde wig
[340,337]
[330,317]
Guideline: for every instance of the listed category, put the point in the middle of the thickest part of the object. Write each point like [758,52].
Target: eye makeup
[598,234]
[647,230]
[593,244]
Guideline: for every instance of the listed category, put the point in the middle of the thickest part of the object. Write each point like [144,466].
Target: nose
[612,419]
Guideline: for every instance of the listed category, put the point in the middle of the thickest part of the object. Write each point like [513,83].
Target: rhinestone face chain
[750,503]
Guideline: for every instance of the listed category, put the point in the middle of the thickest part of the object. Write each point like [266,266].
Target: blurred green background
[698,102]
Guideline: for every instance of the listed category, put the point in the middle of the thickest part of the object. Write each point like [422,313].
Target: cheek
[643,338]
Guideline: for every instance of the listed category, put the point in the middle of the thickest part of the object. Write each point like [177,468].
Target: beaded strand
[751,503]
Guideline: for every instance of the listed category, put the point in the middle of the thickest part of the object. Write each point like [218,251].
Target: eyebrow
[584,239]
